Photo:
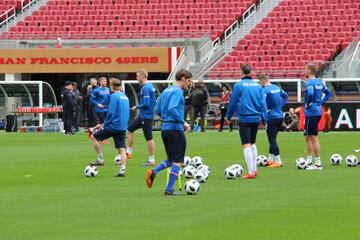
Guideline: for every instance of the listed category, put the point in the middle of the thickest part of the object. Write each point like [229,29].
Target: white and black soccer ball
[261,160]
[238,168]
[192,187]
[231,173]
[335,159]
[117,159]
[301,163]
[201,176]
[189,171]
[204,168]
[91,171]
[351,161]
[187,161]
[197,161]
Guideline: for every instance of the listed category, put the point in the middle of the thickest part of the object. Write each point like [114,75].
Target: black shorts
[145,124]
[248,132]
[119,137]
[100,117]
[311,125]
[274,124]
[175,145]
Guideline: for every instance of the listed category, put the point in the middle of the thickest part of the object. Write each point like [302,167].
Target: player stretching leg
[275,98]
[100,99]
[312,103]
[246,100]
[145,118]
[114,126]
[170,108]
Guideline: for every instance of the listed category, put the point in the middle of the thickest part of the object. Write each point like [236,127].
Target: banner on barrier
[83,60]
[335,117]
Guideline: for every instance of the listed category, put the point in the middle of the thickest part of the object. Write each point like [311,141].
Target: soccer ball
[261,160]
[192,187]
[117,159]
[189,171]
[335,159]
[231,173]
[351,161]
[301,163]
[90,171]
[197,161]
[201,176]
[187,161]
[204,168]
[238,168]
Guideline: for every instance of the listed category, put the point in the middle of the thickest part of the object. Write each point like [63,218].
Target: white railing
[7,16]
[25,5]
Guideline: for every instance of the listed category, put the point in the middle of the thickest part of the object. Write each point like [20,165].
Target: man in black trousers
[69,106]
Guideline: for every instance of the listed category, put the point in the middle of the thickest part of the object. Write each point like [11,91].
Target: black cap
[67,83]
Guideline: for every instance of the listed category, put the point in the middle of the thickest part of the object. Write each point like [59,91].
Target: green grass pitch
[45,196]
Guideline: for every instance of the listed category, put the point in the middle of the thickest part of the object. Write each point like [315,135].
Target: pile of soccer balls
[197,171]
[335,159]
[234,171]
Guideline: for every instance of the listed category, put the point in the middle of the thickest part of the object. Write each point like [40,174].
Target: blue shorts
[119,137]
[145,124]
[311,125]
[100,117]
[248,132]
[175,145]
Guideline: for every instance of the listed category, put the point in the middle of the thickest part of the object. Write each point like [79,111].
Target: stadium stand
[294,33]
[94,19]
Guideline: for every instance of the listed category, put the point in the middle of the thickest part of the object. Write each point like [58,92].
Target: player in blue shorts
[170,108]
[145,118]
[246,102]
[275,98]
[312,103]
[114,126]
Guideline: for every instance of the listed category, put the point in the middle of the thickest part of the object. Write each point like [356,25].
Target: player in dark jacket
[69,106]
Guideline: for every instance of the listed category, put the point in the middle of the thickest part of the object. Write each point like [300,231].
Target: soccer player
[114,126]
[275,98]
[246,101]
[100,99]
[170,108]
[145,118]
[312,103]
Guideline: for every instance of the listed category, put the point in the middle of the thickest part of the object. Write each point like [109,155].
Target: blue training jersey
[117,117]
[275,99]
[246,102]
[170,108]
[100,96]
[314,97]
[147,101]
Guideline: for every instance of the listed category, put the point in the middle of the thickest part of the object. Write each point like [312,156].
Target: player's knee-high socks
[254,155]
[173,176]
[164,164]
[249,160]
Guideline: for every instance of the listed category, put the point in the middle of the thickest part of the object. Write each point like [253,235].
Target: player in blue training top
[114,126]
[275,98]
[312,103]
[145,118]
[170,108]
[246,102]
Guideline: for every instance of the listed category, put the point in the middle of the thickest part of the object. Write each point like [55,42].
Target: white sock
[122,168]
[254,156]
[249,160]
[317,161]
[129,150]
[151,159]
[278,159]
[271,157]
[100,157]
[309,159]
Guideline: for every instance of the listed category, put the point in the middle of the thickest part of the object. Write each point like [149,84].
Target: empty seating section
[6,5]
[294,33]
[104,18]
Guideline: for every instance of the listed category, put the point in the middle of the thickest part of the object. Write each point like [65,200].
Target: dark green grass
[44,194]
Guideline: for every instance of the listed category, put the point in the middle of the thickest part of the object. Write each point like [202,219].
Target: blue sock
[164,164]
[173,176]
